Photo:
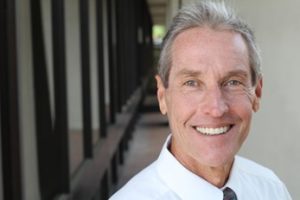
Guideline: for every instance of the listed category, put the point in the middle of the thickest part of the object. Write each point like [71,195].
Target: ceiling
[158,10]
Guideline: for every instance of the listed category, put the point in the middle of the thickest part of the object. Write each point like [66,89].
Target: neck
[217,176]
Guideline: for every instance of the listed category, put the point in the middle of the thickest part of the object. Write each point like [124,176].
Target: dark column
[10,138]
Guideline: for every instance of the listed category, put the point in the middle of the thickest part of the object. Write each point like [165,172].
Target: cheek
[242,102]
[243,110]
[242,107]
[180,108]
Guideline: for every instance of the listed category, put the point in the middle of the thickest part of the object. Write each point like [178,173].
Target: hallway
[149,135]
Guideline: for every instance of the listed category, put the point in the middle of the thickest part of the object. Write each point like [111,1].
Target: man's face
[209,99]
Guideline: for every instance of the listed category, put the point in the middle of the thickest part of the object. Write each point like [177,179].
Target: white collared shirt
[167,179]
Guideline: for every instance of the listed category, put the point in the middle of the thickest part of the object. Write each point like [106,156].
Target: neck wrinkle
[217,176]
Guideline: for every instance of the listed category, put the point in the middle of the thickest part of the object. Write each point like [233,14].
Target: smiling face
[209,99]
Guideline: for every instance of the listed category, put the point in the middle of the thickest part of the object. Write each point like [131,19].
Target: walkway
[149,135]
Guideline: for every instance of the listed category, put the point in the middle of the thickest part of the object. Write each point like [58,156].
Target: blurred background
[79,116]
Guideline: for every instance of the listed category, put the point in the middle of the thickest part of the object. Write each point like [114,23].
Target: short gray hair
[217,16]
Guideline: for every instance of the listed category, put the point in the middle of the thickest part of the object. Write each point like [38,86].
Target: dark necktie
[229,194]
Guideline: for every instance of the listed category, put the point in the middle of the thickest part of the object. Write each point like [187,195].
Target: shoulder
[261,180]
[145,185]
[254,169]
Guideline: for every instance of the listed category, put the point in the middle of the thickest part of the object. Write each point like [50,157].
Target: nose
[214,103]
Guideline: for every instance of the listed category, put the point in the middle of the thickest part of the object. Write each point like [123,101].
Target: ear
[161,95]
[258,94]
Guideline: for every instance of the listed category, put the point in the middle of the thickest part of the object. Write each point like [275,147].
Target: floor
[150,133]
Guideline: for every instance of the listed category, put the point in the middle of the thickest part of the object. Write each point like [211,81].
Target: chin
[218,160]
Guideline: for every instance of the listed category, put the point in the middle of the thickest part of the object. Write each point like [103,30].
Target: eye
[191,83]
[233,83]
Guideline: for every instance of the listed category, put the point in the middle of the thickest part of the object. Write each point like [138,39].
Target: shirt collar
[183,182]
[234,181]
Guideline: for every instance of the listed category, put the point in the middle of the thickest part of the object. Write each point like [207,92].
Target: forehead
[213,48]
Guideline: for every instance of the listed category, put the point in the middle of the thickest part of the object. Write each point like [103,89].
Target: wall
[73,64]
[105,51]
[274,137]
[47,30]
[93,63]
[275,133]
[26,103]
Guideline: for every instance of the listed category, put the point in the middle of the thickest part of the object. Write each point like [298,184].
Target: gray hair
[217,16]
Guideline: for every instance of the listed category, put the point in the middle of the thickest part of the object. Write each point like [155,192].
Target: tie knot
[229,194]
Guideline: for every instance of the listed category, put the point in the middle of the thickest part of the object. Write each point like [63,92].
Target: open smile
[213,131]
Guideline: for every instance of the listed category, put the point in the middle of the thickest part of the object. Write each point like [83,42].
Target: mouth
[213,131]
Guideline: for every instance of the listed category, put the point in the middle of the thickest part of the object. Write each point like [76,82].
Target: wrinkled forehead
[203,46]
[207,39]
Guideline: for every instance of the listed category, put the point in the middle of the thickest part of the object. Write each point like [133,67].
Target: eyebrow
[196,73]
[238,72]
[189,72]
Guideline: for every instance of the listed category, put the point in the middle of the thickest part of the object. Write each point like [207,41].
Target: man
[209,83]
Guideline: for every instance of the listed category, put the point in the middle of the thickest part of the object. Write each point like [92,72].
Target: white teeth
[212,131]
